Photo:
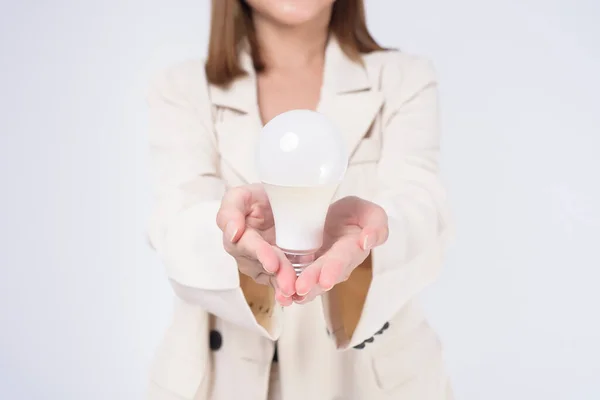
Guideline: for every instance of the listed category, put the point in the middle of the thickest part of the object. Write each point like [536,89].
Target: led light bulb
[301,159]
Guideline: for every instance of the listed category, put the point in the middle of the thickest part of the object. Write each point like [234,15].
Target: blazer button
[383,328]
[360,346]
[215,340]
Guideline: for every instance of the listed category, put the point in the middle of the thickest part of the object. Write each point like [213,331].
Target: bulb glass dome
[301,148]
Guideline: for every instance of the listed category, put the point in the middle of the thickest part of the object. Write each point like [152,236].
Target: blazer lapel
[348,98]
[238,132]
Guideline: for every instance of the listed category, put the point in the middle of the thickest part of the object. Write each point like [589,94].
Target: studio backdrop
[84,300]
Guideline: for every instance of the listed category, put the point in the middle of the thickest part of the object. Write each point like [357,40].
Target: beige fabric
[202,141]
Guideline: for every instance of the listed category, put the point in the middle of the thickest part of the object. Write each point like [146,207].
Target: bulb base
[300,259]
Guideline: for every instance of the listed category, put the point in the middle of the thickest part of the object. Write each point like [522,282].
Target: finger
[313,294]
[340,261]
[286,276]
[374,223]
[279,296]
[332,272]
[298,299]
[371,237]
[267,257]
[309,278]
[234,228]
[231,216]
[281,299]
[252,246]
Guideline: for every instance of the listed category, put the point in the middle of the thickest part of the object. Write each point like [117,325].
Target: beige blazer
[367,338]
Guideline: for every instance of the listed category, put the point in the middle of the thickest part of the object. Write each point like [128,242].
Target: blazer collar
[343,75]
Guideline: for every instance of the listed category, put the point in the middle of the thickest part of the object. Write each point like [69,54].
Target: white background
[83,301]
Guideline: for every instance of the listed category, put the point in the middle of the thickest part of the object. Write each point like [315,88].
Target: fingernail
[269,271]
[287,296]
[367,242]
[298,298]
[231,230]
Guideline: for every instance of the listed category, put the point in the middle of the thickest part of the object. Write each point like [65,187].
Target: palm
[341,224]
[353,226]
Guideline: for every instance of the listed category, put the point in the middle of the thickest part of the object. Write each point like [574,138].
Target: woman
[348,327]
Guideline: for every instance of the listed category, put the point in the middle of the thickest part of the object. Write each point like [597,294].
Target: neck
[285,47]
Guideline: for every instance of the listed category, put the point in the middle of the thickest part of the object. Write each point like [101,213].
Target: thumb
[231,217]
[374,224]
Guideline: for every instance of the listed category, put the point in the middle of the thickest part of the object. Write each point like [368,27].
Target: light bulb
[301,160]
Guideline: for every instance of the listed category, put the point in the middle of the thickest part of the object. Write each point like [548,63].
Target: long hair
[231,23]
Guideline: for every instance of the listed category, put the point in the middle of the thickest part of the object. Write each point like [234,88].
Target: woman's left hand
[352,228]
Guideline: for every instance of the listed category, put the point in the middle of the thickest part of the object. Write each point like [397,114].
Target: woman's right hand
[246,219]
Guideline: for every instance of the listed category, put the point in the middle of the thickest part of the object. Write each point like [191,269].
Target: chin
[291,12]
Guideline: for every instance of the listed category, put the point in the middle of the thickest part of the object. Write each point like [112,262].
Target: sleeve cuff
[204,274]
[193,251]
[231,305]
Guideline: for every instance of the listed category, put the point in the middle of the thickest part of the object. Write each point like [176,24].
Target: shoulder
[391,70]
[183,82]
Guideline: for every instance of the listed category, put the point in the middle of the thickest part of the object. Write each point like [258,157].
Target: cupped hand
[246,219]
[352,228]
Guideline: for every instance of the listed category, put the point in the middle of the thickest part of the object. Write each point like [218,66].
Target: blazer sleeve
[410,190]
[188,192]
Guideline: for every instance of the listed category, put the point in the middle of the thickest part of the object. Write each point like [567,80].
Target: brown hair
[231,22]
